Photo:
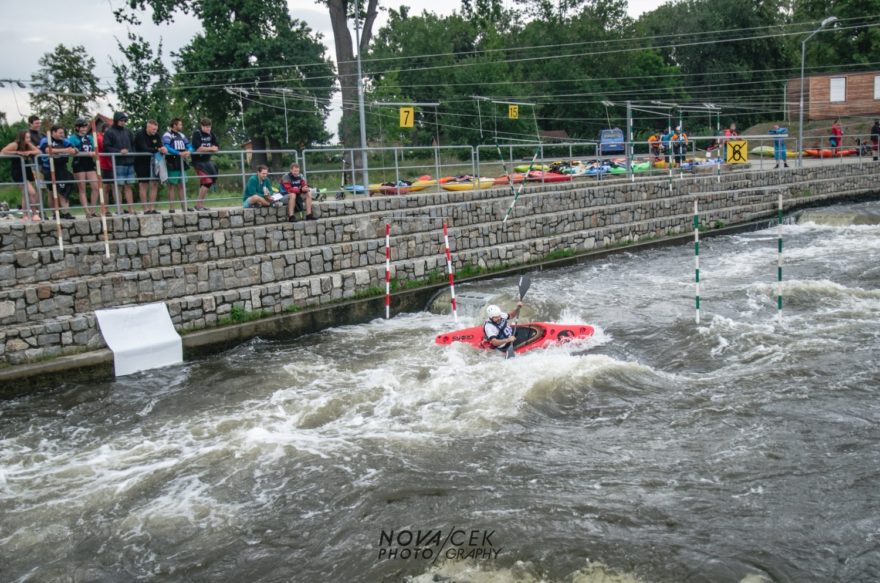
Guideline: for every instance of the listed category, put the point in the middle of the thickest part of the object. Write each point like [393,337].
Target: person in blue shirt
[60,150]
[84,167]
[258,191]
[179,148]
[779,152]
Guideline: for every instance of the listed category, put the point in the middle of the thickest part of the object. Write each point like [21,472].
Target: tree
[340,12]
[252,54]
[64,85]
[143,84]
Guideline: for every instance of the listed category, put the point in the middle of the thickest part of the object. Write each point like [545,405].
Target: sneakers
[199,208]
[786,164]
[66,216]
[291,219]
[277,204]
[311,217]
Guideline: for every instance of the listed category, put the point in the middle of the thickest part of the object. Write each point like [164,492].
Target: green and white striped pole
[779,259]
[697,259]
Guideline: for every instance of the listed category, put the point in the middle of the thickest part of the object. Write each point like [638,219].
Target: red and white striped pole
[387,271]
[449,269]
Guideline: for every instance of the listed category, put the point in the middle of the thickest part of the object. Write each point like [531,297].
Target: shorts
[298,206]
[83,165]
[833,142]
[207,173]
[143,169]
[107,175]
[125,174]
[16,172]
[174,177]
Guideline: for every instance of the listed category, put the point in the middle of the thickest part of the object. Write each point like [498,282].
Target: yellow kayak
[469,184]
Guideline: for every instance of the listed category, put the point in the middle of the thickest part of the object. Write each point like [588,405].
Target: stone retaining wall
[205,265]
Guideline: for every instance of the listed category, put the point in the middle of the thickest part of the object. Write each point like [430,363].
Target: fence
[390,169]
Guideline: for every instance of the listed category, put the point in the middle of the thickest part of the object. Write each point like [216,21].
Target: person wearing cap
[178,148]
[119,141]
[497,331]
[84,168]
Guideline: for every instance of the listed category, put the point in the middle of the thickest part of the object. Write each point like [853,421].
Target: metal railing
[392,168]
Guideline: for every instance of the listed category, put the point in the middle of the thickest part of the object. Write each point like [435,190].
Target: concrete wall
[204,265]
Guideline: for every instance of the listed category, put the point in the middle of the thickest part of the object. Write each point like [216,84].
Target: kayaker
[497,330]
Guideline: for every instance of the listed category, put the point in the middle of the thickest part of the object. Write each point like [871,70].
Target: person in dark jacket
[875,138]
[148,143]
[204,142]
[119,141]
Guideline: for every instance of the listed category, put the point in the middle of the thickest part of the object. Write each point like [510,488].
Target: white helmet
[493,311]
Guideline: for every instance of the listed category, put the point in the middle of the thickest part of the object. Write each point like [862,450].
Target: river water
[744,449]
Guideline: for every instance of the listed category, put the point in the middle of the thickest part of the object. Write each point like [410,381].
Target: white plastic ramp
[141,337]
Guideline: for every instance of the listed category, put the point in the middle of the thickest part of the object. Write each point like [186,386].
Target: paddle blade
[524,283]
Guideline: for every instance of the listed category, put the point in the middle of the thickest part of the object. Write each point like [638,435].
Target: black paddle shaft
[524,284]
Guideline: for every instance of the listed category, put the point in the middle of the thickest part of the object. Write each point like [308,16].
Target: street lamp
[826,22]
[360,88]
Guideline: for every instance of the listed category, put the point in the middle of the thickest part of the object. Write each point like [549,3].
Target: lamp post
[826,22]
[360,87]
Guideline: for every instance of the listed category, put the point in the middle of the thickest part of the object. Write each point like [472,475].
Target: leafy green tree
[254,59]
[143,83]
[64,85]
[858,44]
[739,60]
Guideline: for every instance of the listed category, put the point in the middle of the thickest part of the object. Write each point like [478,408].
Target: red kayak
[828,153]
[528,336]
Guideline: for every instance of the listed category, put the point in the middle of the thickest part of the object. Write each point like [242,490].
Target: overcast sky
[28,31]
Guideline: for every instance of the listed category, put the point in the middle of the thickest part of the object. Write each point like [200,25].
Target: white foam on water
[520,572]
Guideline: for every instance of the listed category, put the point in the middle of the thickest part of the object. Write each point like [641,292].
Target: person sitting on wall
[296,193]
[258,191]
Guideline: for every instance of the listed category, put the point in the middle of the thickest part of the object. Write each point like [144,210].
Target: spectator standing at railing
[875,138]
[24,150]
[204,142]
[179,148]
[679,145]
[60,149]
[148,143]
[84,167]
[119,140]
[105,162]
[836,137]
[666,142]
[258,191]
[36,136]
[779,152]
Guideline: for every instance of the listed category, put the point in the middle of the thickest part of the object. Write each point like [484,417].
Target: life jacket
[293,184]
[504,332]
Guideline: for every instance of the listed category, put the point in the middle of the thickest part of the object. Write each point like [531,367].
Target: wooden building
[835,95]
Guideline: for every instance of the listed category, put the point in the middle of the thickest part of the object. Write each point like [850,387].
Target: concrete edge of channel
[21,378]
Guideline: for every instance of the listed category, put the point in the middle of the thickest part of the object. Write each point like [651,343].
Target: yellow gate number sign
[512,112]
[736,152]
[407,115]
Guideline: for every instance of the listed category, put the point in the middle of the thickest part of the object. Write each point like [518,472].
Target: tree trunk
[347,66]
[258,157]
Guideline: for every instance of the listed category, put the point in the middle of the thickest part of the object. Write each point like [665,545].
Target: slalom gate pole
[779,259]
[101,190]
[387,271]
[449,270]
[697,260]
